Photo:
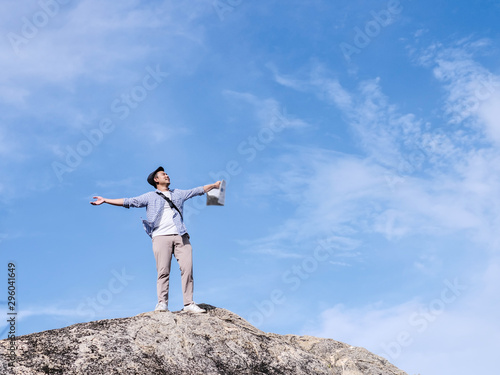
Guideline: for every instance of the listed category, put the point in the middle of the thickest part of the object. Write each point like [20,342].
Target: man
[165,225]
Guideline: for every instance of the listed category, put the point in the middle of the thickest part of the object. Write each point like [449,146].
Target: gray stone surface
[218,342]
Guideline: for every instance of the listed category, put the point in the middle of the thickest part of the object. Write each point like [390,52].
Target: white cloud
[337,193]
[330,191]
[96,41]
[388,137]
[330,88]
[489,113]
[65,78]
[158,133]
[269,112]
[473,92]
[418,183]
[457,325]
[434,181]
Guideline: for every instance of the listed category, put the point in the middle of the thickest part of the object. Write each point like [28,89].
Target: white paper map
[216,197]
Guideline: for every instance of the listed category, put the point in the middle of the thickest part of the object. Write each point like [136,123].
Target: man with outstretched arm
[165,225]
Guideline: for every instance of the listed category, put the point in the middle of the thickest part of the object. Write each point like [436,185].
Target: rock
[218,342]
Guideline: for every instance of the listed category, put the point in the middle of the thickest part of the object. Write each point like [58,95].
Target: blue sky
[359,140]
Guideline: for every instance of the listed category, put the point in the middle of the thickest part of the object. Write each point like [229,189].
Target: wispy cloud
[328,190]
[472,91]
[350,196]
[398,141]
[64,77]
[266,109]
[155,133]
[413,180]
[438,329]
[430,174]
[74,44]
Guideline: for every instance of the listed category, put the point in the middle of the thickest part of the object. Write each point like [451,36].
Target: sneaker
[161,306]
[193,308]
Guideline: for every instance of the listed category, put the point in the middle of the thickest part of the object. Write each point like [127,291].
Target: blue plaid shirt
[154,204]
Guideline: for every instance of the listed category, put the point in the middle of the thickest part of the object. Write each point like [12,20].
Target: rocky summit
[218,342]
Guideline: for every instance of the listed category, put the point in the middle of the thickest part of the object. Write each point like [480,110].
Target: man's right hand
[98,201]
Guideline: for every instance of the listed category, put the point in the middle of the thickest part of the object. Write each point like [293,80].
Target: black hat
[151,177]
